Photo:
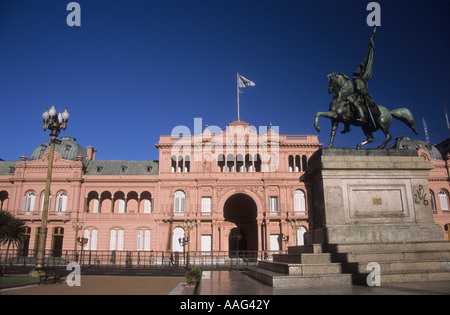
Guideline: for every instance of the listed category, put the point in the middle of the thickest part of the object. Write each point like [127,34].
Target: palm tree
[12,231]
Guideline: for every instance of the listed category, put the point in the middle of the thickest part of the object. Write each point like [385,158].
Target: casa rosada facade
[231,190]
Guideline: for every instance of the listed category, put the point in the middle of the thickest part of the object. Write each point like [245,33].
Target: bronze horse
[341,112]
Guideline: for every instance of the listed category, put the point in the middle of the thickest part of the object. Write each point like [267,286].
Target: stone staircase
[346,264]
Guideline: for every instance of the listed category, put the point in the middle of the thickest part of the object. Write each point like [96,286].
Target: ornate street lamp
[296,225]
[77,226]
[82,241]
[188,225]
[54,123]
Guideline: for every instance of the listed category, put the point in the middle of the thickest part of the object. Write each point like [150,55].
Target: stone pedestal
[369,196]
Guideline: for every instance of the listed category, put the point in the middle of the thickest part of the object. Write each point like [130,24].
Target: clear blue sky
[136,69]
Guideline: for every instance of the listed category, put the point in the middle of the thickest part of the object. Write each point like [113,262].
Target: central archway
[241,210]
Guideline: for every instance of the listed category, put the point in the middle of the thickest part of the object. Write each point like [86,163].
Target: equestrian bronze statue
[353,105]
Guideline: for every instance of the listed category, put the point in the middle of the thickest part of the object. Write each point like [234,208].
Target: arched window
[121,205]
[92,202]
[291,163]
[187,164]
[29,201]
[180,164]
[239,163]
[230,163]
[443,199]
[61,202]
[147,206]
[433,200]
[42,202]
[297,163]
[173,166]
[299,201]
[3,199]
[221,162]
[179,201]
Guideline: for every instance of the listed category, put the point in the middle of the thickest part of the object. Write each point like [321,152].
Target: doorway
[57,241]
[241,210]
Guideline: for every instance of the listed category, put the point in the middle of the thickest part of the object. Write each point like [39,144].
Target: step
[405,276]
[301,269]
[397,266]
[395,256]
[372,247]
[279,281]
[304,258]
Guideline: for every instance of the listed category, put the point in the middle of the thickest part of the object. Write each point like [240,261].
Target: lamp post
[188,225]
[82,241]
[54,123]
[77,226]
[296,225]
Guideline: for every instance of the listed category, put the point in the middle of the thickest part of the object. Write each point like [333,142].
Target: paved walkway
[104,285]
[216,283]
[237,283]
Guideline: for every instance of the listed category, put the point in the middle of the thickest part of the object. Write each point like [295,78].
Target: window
[147,240]
[29,201]
[112,240]
[147,206]
[274,242]
[42,202]
[206,204]
[291,163]
[143,240]
[116,240]
[91,235]
[299,201]
[61,202]
[139,240]
[433,200]
[95,206]
[121,206]
[206,243]
[179,201]
[273,204]
[120,234]
[443,199]
[297,163]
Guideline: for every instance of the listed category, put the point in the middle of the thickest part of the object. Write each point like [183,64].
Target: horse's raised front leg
[329,115]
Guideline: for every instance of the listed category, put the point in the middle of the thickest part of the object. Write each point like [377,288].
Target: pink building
[241,189]
[236,189]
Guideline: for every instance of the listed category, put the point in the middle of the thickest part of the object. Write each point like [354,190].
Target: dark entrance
[241,210]
[57,241]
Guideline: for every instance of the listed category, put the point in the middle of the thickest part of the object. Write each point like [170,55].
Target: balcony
[37,215]
[110,216]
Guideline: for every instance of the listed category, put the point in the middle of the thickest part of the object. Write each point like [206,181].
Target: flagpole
[237,87]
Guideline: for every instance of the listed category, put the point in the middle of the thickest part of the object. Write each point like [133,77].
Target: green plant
[12,232]
[193,276]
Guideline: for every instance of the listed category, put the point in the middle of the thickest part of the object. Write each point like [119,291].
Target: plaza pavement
[216,283]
